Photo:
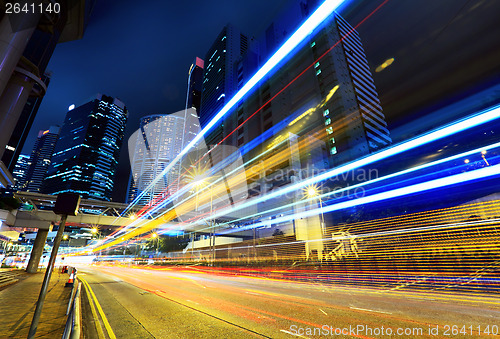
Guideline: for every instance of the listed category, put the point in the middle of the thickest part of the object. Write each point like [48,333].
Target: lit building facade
[220,79]
[86,155]
[195,84]
[40,158]
[20,172]
[159,139]
[337,92]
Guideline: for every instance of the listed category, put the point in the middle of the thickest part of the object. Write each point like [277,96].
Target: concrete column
[37,251]
[12,102]
[15,32]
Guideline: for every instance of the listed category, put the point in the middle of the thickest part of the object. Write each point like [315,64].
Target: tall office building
[220,80]
[40,158]
[86,155]
[158,141]
[27,42]
[195,84]
[20,172]
[338,89]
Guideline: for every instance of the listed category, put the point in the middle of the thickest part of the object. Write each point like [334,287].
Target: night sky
[141,54]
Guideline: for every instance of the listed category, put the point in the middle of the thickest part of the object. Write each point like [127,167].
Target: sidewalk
[17,305]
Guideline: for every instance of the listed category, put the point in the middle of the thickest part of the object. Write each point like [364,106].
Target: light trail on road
[270,307]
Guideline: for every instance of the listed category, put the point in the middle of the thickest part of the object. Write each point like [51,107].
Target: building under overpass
[36,213]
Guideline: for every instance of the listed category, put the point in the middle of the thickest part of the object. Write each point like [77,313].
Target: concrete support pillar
[37,251]
[15,32]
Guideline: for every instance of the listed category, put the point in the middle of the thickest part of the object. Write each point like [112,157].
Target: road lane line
[252,293]
[97,323]
[323,311]
[365,309]
[101,312]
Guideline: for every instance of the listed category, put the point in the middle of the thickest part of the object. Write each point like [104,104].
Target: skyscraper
[86,155]
[220,81]
[158,141]
[337,93]
[40,158]
[358,108]
[20,172]
[195,84]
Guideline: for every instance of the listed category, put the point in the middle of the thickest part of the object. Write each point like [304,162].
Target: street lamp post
[95,232]
[200,180]
[212,224]
[155,237]
[312,192]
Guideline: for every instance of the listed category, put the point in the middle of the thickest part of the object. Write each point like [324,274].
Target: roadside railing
[73,322]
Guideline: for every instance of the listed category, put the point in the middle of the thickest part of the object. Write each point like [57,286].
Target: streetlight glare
[311,191]
[94,230]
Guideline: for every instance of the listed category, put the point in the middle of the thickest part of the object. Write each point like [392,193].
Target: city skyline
[273,169]
[163,104]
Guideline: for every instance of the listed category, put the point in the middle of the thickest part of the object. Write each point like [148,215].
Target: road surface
[186,303]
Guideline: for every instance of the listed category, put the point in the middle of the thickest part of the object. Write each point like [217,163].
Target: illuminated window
[333,150]
[328,121]
[329,130]
[326,112]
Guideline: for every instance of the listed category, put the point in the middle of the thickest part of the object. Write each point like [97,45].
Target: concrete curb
[7,283]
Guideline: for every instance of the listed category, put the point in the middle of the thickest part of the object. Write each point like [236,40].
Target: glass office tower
[86,154]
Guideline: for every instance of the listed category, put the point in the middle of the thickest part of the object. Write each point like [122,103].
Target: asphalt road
[186,303]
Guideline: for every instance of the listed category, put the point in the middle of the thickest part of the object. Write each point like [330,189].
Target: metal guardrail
[73,322]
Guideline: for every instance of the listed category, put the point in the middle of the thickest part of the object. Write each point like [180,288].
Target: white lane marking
[294,334]
[365,309]
[192,301]
[323,311]
[252,293]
